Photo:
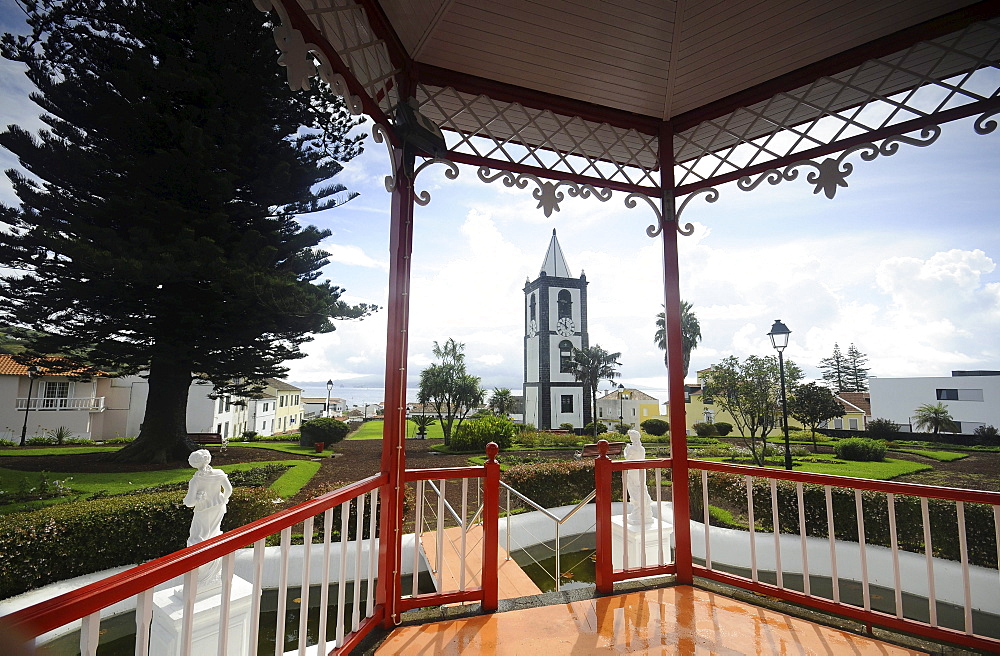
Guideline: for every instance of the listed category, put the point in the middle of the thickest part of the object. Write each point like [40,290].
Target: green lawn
[286,447]
[826,463]
[58,450]
[940,456]
[288,484]
[372,430]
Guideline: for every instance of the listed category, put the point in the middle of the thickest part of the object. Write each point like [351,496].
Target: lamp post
[622,397]
[329,388]
[33,372]
[779,340]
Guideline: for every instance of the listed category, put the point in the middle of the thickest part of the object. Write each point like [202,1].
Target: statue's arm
[227,488]
[191,498]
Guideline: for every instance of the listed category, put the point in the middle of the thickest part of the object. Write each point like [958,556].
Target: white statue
[635,482]
[208,492]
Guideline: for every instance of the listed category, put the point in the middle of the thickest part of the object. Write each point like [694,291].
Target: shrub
[986,431]
[723,427]
[566,426]
[8,443]
[60,542]
[120,440]
[78,441]
[556,483]
[40,440]
[860,449]
[589,428]
[324,429]
[655,427]
[475,434]
[882,429]
[705,430]
[61,434]
[526,428]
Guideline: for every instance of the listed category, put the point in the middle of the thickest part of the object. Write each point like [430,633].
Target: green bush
[723,427]
[40,440]
[78,441]
[60,435]
[589,428]
[60,542]
[882,429]
[8,443]
[324,429]
[860,449]
[986,431]
[526,428]
[655,427]
[556,483]
[566,426]
[475,434]
[705,430]
[120,440]
[730,490]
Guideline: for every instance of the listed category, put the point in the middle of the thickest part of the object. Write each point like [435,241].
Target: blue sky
[903,263]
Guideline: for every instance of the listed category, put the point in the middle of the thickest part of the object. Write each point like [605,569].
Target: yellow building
[698,409]
[288,410]
[632,405]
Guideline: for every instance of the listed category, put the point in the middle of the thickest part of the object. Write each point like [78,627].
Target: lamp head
[779,335]
[329,385]
[34,371]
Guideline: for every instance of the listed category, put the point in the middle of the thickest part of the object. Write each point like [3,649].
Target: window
[229,403]
[564,303]
[222,404]
[838,423]
[531,308]
[959,395]
[853,424]
[54,395]
[567,403]
[226,434]
[265,407]
[565,357]
[600,412]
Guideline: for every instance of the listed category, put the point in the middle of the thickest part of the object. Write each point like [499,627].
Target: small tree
[834,369]
[812,405]
[882,429]
[449,389]
[857,372]
[323,429]
[501,401]
[422,422]
[934,416]
[655,427]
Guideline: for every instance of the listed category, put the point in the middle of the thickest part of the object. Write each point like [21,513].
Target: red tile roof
[860,400]
[8,367]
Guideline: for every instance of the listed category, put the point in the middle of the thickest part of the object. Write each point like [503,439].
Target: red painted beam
[491,529]
[675,360]
[602,481]
[394,430]
[441,473]
[365,627]
[639,572]
[435,599]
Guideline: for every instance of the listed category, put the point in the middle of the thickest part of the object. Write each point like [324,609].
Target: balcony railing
[912,558]
[84,403]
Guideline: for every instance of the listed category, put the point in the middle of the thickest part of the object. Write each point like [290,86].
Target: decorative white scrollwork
[547,194]
[381,136]
[422,197]
[295,57]
[832,173]
[984,124]
[711,193]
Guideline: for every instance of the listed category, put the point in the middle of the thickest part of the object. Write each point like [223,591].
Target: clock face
[565,327]
[532,328]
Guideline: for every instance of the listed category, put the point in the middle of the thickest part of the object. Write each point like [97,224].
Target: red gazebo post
[397,343]
[675,358]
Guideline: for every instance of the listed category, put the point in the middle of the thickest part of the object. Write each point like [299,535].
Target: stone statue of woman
[208,492]
[635,482]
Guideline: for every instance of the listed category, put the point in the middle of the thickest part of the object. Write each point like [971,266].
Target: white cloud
[352,256]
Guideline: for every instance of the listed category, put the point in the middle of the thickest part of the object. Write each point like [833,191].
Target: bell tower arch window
[564,304]
[531,309]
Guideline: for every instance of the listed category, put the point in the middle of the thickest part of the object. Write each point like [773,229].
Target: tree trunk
[163,436]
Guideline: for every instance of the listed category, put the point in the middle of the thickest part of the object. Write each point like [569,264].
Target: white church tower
[555,322]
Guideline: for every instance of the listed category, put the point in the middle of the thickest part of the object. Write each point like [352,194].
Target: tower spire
[555,262]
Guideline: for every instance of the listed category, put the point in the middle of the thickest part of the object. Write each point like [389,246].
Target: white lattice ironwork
[927,79]
[451,172]
[546,193]
[711,195]
[344,25]
[511,133]
[831,173]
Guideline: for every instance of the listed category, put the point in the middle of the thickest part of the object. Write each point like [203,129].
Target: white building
[632,405]
[972,398]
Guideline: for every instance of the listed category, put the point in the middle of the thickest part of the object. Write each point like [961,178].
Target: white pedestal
[633,543]
[168,618]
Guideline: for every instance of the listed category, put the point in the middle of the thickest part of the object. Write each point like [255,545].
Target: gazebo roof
[584,90]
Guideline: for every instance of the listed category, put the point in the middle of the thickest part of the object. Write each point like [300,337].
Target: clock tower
[555,322]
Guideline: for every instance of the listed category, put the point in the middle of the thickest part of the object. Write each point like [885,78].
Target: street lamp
[622,397]
[329,388]
[33,373]
[779,340]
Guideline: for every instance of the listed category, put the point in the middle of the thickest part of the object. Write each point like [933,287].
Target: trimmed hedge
[58,543]
[655,427]
[558,483]
[860,449]
[730,490]
[705,430]
[324,429]
[724,428]
[475,434]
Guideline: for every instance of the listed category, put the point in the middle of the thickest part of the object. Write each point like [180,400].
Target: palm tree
[502,401]
[934,416]
[591,365]
[690,334]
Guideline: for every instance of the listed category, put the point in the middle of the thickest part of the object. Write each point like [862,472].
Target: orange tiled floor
[675,620]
